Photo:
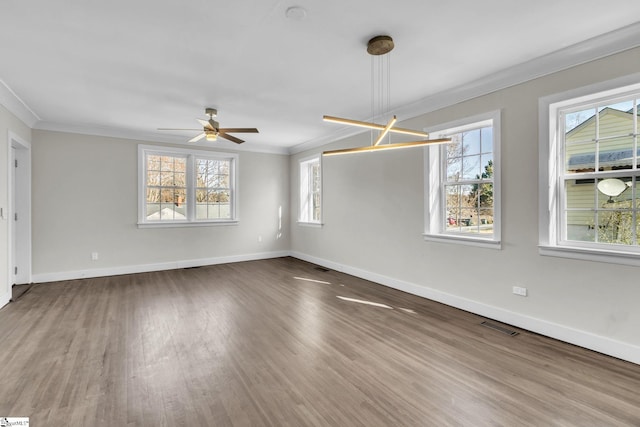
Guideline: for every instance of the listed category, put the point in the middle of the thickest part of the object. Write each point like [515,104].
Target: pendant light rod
[375,126]
[386,129]
[383,147]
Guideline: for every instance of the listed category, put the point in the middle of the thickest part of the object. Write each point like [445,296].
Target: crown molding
[150,137]
[588,50]
[17,106]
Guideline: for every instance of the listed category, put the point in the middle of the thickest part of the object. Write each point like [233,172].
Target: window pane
[166,178]
[580,194]
[468,220]
[153,195]
[166,163]
[153,178]
[471,142]
[179,179]
[581,126]
[487,166]
[454,149]
[167,195]
[580,157]
[615,227]
[486,196]
[454,169]
[486,135]
[453,197]
[471,167]
[486,220]
[180,197]
[616,153]
[453,221]
[580,214]
[152,211]
[153,163]
[615,193]
[580,226]
[616,119]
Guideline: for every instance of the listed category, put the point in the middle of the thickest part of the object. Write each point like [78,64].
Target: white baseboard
[4,299]
[144,268]
[608,346]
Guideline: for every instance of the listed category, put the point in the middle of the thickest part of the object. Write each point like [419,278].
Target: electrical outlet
[518,290]
[94,256]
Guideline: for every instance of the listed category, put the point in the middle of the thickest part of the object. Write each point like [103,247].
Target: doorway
[19,211]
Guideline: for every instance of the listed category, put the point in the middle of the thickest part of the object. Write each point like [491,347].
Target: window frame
[305,217]
[191,156]
[552,176]
[435,179]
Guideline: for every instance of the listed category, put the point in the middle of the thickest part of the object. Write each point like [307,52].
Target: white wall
[373,224]
[8,123]
[85,200]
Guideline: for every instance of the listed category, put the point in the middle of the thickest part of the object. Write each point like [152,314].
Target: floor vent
[499,328]
[321,269]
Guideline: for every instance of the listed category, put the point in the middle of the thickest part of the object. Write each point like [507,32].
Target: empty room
[278,213]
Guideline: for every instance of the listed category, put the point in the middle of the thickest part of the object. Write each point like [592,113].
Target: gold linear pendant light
[378,46]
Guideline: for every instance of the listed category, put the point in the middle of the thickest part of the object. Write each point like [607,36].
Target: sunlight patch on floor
[359,301]
[312,280]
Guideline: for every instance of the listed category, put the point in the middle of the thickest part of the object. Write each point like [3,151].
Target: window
[310,210]
[594,180]
[185,187]
[462,182]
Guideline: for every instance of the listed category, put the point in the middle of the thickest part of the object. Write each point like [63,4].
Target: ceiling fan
[211,129]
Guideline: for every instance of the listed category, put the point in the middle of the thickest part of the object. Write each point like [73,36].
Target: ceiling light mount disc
[380,45]
[211,112]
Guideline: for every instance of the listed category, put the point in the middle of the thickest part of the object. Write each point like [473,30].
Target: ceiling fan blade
[239,130]
[206,124]
[230,137]
[176,129]
[198,138]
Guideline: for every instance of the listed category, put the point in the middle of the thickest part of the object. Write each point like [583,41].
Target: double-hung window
[592,207]
[186,187]
[310,209]
[462,182]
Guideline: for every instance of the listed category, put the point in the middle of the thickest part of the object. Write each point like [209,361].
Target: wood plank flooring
[269,343]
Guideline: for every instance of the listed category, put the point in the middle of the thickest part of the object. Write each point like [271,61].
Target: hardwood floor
[261,344]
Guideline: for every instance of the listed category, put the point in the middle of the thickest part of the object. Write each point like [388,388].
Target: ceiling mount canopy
[378,47]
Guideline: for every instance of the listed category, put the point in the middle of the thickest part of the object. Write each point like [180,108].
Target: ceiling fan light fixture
[211,136]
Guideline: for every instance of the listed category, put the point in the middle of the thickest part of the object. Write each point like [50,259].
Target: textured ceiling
[129,67]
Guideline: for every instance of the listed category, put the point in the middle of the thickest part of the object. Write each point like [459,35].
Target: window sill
[590,254]
[463,240]
[310,224]
[185,224]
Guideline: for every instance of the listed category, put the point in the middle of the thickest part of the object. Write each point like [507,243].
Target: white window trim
[311,223]
[549,243]
[143,150]
[433,162]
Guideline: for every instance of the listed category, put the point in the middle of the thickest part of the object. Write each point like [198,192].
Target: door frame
[20,194]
